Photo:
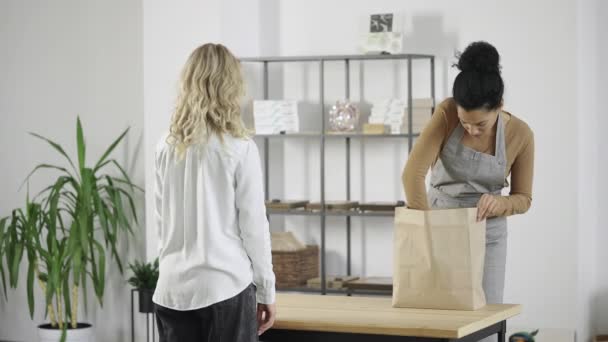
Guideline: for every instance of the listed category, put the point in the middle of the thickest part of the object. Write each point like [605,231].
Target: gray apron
[458,179]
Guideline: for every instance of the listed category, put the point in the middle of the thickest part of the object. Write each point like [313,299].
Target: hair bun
[480,57]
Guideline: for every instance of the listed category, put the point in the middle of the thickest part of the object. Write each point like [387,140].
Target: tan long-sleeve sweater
[519,141]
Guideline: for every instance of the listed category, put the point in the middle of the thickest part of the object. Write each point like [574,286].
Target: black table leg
[502,334]
[132,319]
[153,328]
[499,329]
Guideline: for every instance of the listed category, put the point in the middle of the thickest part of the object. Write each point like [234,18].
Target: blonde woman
[214,241]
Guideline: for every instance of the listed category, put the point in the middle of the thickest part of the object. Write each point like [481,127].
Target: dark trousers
[233,320]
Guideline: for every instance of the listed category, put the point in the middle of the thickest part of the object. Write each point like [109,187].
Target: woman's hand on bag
[486,207]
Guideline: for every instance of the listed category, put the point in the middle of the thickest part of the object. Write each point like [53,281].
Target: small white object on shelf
[394,113]
[276,116]
[383,42]
[381,38]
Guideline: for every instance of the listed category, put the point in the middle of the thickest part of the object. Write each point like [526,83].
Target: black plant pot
[145,300]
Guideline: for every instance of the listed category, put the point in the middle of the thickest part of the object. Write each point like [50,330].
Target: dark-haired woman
[472,145]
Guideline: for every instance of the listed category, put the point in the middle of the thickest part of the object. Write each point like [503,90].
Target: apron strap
[500,153]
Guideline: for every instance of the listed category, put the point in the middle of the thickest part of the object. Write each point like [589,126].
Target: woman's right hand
[486,207]
[266,315]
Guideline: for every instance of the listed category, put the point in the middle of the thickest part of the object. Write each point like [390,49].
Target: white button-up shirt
[214,238]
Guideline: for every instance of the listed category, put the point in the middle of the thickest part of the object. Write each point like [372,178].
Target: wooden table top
[375,315]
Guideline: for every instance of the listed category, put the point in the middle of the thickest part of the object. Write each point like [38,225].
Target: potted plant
[523,336]
[66,232]
[145,276]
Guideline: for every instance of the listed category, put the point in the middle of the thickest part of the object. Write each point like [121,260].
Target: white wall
[61,59]
[588,166]
[600,298]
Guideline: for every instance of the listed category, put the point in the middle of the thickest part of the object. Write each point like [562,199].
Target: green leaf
[76,187]
[102,165]
[2,226]
[85,210]
[53,204]
[70,196]
[83,231]
[124,174]
[43,166]
[119,212]
[45,190]
[55,275]
[56,147]
[101,273]
[2,248]
[83,276]
[36,245]
[103,221]
[131,203]
[105,213]
[64,252]
[60,220]
[77,265]
[50,285]
[116,256]
[66,296]
[64,333]
[80,144]
[122,181]
[109,150]
[30,288]
[12,244]
[49,245]
[15,266]
[73,242]
[2,274]
[3,278]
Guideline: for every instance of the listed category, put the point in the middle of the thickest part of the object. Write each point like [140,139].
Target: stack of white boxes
[275,117]
[394,113]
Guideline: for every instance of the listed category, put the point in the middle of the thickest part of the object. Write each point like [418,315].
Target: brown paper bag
[438,259]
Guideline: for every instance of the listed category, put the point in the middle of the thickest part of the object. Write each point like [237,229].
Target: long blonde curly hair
[210,91]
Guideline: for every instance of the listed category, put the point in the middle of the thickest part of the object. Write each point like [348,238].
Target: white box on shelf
[379,42]
[276,116]
[394,112]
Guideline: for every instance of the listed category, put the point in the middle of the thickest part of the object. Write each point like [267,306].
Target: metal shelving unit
[334,135]
[323,136]
[302,212]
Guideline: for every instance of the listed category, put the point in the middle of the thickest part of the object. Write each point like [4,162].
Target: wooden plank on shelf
[380,206]
[333,205]
[371,284]
[286,204]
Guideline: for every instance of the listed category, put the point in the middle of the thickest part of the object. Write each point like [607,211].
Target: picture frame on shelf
[381,23]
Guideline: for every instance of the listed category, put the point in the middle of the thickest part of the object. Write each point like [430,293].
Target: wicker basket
[294,268]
